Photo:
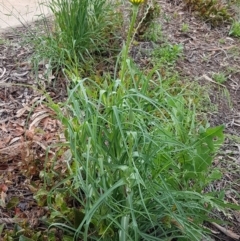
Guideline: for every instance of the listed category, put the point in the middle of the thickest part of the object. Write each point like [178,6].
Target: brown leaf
[38,119]
[3,167]
[18,131]
[3,127]
[3,187]
[29,134]
[2,144]
[3,199]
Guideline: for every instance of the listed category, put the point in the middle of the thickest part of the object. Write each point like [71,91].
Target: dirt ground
[28,128]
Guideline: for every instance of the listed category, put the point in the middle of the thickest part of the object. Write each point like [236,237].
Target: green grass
[81,30]
[134,154]
[167,54]
[139,161]
[79,25]
[137,155]
[220,77]
[185,28]
[235,29]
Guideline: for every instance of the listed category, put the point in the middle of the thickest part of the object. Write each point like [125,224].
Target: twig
[227,232]
[211,80]
[209,229]
[15,149]
[3,73]
[222,48]
[11,220]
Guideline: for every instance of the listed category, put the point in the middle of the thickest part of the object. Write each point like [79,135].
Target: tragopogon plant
[135,8]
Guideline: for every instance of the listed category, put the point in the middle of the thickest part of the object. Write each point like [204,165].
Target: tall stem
[128,42]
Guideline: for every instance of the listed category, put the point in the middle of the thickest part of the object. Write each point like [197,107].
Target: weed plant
[185,28]
[167,54]
[235,29]
[153,33]
[139,161]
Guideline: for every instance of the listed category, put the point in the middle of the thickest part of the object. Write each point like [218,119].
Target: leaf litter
[28,128]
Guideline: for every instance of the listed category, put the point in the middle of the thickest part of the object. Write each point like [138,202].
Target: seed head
[136,2]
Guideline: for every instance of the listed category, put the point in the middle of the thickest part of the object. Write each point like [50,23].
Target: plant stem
[128,42]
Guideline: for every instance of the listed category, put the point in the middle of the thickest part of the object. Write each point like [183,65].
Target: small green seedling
[168,54]
[219,77]
[185,27]
[2,41]
[222,41]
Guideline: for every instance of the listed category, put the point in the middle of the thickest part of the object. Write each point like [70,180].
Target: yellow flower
[136,2]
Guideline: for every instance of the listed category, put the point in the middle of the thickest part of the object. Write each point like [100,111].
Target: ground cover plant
[138,152]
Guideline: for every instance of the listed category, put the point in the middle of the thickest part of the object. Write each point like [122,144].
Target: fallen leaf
[21,111]
[3,199]
[3,167]
[29,134]
[14,140]
[13,202]
[3,127]
[38,120]
[3,188]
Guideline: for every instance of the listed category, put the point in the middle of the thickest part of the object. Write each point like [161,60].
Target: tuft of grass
[79,24]
[235,29]
[81,30]
[185,28]
[167,54]
[220,77]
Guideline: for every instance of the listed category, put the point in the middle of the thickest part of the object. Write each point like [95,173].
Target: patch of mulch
[28,129]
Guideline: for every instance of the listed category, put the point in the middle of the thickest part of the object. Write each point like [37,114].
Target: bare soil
[28,127]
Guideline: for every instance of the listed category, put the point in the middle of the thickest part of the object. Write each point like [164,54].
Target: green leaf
[207,145]
[23,238]
[1,228]
[78,217]
[13,202]
[215,175]
[41,197]
[213,137]
[59,199]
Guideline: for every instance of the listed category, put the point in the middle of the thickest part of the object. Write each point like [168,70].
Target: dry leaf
[3,199]
[37,120]
[3,187]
